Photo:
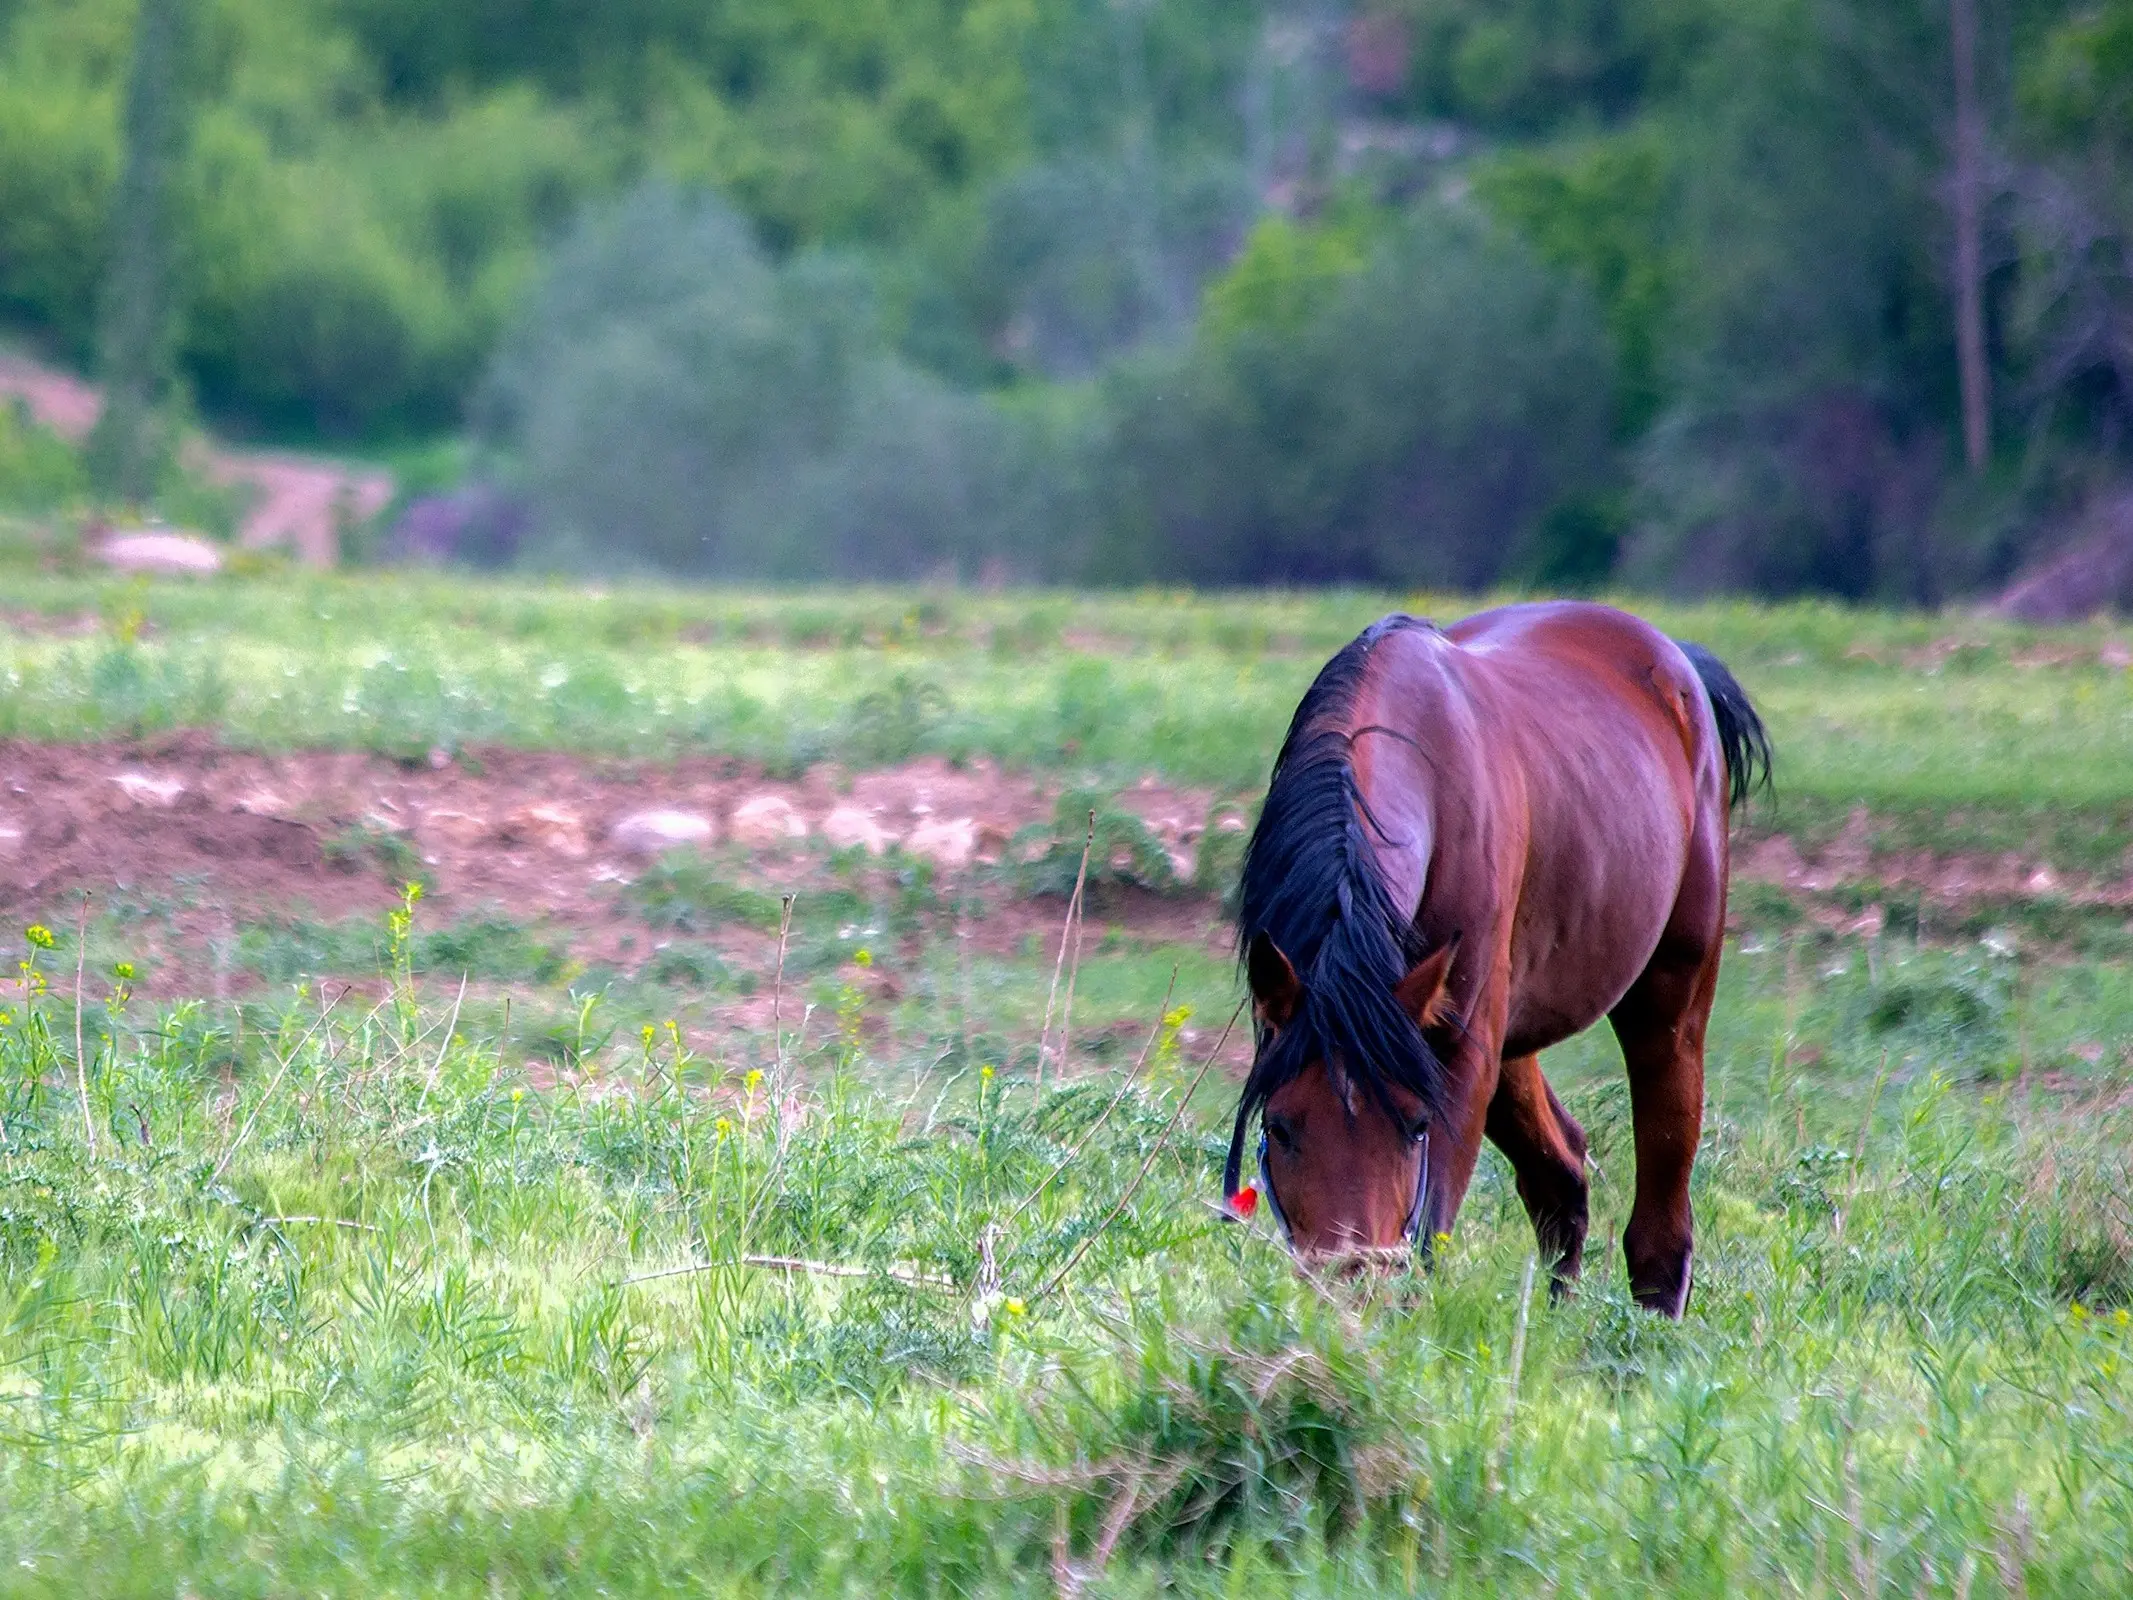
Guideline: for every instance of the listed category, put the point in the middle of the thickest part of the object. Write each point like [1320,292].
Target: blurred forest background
[1772,295]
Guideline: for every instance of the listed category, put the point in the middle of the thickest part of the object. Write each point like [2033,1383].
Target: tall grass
[360,1302]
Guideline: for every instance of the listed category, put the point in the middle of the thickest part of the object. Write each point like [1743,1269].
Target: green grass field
[1901,713]
[365,1295]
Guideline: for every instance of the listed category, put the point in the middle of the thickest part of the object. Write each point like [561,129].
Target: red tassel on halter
[1244,1202]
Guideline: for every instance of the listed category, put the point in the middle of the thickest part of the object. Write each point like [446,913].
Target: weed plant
[1123,853]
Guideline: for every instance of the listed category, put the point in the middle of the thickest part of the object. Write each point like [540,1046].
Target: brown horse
[1478,841]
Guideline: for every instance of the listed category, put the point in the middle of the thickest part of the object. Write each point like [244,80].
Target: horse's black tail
[1740,731]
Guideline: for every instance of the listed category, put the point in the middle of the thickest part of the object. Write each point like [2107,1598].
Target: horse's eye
[1419,1132]
[1282,1134]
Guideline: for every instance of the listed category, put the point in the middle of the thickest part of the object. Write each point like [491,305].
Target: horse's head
[1344,1144]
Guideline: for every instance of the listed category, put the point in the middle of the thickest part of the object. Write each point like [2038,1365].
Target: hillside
[1083,292]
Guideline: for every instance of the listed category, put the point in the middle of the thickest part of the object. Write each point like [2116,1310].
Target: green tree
[2073,309]
[139,312]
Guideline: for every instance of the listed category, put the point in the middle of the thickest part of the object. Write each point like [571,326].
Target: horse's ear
[1422,992]
[1276,990]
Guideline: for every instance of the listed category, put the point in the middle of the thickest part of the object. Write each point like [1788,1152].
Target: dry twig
[1068,1577]
[1066,936]
[777,1017]
[81,1060]
[1518,1363]
[818,1269]
[260,1104]
[324,1222]
[1097,1126]
[437,1066]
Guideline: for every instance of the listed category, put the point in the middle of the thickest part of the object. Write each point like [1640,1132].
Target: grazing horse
[1478,841]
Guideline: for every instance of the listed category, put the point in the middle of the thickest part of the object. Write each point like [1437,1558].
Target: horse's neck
[1411,730]
[1397,819]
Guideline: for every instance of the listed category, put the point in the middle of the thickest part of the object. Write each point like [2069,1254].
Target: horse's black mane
[1312,886]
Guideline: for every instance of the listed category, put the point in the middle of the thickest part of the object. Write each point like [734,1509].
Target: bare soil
[212,839]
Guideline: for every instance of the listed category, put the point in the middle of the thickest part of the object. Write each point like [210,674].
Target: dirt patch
[195,840]
[1950,881]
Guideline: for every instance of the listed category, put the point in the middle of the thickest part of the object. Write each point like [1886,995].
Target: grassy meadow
[354,1292]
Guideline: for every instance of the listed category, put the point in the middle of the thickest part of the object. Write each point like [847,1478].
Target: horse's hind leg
[1660,1024]
[1546,1148]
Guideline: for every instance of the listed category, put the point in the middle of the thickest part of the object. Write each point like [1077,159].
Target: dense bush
[38,471]
[1407,417]
[58,162]
[676,399]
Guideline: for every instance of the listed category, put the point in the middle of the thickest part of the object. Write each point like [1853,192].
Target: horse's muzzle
[1357,1261]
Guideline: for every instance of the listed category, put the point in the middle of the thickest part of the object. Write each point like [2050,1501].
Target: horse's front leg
[1455,1138]
[1546,1148]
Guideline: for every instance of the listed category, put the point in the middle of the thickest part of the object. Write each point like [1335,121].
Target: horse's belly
[1587,925]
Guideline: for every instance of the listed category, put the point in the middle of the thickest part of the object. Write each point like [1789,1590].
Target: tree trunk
[1969,244]
[137,312]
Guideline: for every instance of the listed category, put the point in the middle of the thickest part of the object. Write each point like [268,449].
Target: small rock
[462,828]
[993,843]
[259,803]
[160,553]
[551,827]
[144,790]
[767,821]
[1868,924]
[649,833]
[849,827]
[949,843]
[2042,881]
[10,841]
[1172,833]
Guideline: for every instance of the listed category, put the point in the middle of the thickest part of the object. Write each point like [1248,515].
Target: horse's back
[1576,679]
